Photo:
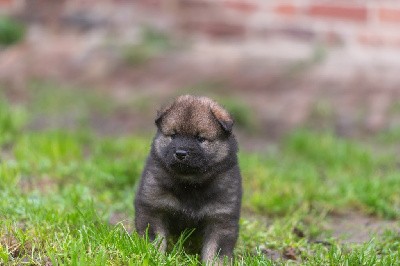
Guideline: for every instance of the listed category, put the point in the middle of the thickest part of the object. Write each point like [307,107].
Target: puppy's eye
[200,139]
[173,135]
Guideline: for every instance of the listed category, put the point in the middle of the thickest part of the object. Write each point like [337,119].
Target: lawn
[66,198]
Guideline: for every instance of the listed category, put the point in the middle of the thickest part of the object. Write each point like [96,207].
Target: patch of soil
[357,228]
[348,228]
[272,254]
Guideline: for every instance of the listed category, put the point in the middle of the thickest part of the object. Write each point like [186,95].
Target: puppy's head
[194,134]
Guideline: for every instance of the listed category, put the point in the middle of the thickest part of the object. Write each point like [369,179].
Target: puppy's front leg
[219,239]
[155,227]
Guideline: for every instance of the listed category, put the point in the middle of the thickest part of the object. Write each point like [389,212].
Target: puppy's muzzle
[181,154]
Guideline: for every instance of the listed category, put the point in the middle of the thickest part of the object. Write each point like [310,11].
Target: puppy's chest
[193,200]
[194,203]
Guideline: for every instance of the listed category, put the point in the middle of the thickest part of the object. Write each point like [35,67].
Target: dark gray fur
[203,191]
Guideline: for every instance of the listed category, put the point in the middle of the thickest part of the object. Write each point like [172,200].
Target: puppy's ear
[161,113]
[223,117]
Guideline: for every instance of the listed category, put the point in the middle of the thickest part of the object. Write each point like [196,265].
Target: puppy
[192,179]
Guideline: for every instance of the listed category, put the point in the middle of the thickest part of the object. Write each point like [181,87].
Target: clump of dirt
[288,253]
[291,253]
[20,251]
[12,245]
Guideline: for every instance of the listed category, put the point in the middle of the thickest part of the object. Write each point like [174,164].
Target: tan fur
[193,116]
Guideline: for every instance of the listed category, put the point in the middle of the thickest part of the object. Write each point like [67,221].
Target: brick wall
[340,22]
[373,23]
[7,6]
[269,49]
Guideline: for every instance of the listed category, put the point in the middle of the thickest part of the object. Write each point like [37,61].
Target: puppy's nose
[181,154]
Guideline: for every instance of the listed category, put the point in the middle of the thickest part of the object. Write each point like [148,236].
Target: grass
[60,190]
[11,31]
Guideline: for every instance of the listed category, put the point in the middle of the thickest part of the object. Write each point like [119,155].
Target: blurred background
[275,65]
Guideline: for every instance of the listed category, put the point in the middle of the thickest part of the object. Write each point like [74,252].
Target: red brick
[297,33]
[6,3]
[332,37]
[150,3]
[192,4]
[379,40]
[342,12]
[215,29]
[224,30]
[389,15]
[285,9]
[242,6]
[370,40]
